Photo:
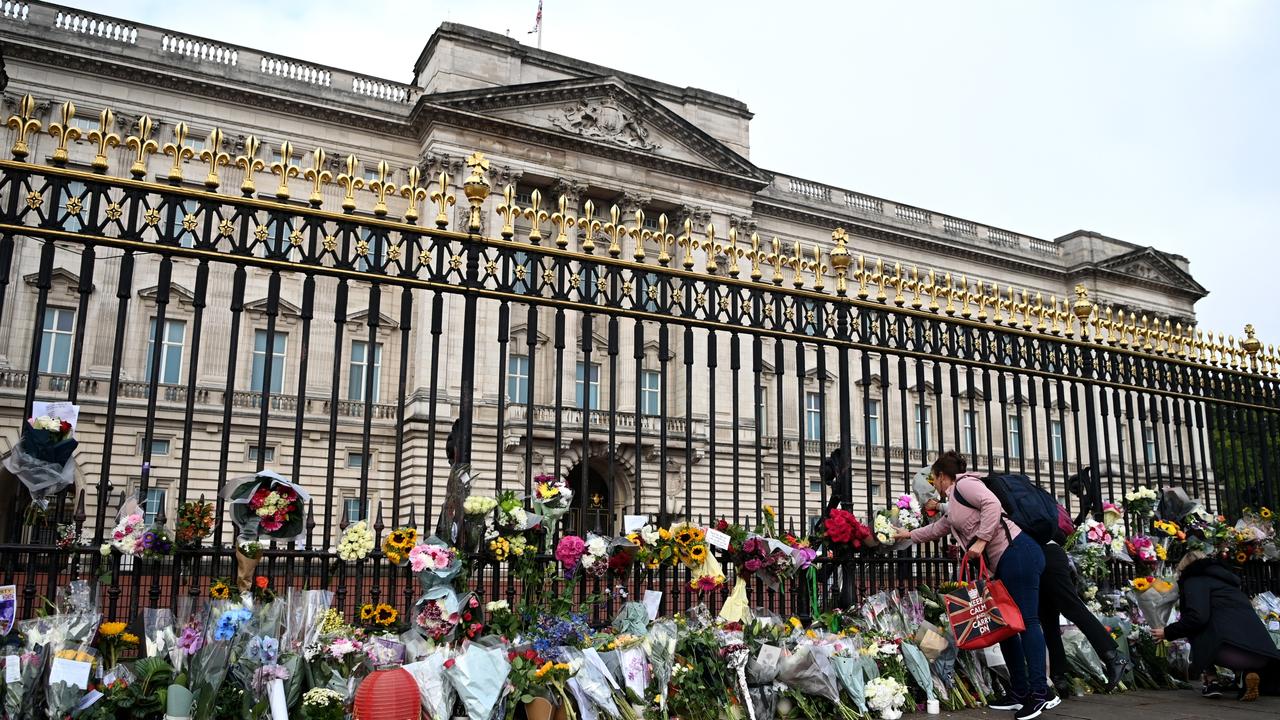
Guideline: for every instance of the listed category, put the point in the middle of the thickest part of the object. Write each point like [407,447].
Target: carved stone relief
[604,120]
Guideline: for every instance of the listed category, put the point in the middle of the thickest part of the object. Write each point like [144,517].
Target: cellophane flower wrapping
[126,536]
[808,670]
[632,619]
[479,675]
[160,633]
[1082,658]
[42,458]
[849,670]
[267,504]
[20,698]
[660,647]
[590,681]
[918,666]
[1157,602]
[209,666]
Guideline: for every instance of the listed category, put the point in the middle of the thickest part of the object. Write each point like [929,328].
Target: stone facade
[561,127]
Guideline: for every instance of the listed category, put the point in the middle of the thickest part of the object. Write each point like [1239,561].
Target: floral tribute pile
[250,651]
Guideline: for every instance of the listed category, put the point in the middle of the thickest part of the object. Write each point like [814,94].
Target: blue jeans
[1019,570]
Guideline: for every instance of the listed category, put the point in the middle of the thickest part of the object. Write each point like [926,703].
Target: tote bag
[981,611]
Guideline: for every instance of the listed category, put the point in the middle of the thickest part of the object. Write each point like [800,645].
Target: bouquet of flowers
[842,534]
[885,532]
[323,704]
[478,505]
[886,696]
[356,542]
[195,523]
[434,562]
[1156,598]
[126,537]
[42,458]
[155,542]
[267,504]
[398,544]
[1141,503]
[552,497]
[907,512]
[1145,552]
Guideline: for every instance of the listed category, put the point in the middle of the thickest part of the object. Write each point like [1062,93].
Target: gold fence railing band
[909,290]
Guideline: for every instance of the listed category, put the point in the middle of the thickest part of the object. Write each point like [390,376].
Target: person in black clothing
[1059,597]
[1222,626]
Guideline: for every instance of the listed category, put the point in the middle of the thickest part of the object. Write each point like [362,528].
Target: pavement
[1142,705]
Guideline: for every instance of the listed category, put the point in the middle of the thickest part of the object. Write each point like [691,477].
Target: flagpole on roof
[539,24]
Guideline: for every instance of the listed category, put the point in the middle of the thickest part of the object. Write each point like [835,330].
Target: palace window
[518,379]
[587,386]
[56,340]
[279,343]
[360,361]
[171,344]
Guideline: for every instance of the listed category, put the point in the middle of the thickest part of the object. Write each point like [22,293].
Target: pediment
[605,111]
[177,293]
[1151,265]
[284,307]
[361,317]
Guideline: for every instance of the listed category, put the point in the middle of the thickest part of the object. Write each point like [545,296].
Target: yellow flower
[1162,586]
[410,537]
[1161,552]
[546,491]
[653,563]
[1241,558]
[664,533]
[219,591]
[366,612]
[1265,513]
[795,622]
[385,615]
[697,554]
[111,629]
[768,510]
[129,639]
[1141,584]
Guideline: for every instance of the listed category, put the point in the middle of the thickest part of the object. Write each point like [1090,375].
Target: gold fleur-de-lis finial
[179,150]
[798,266]
[536,216]
[819,269]
[590,226]
[25,123]
[414,193]
[443,199]
[509,211]
[777,260]
[562,220]
[756,256]
[64,131]
[213,155]
[639,235]
[687,243]
[711,249]
[350,181]
[733,252]
[251,164]
[614,229]
[318,175]
[665,241]
[142,145]
[862,275]
[381,188]
[284,169]
[104,138]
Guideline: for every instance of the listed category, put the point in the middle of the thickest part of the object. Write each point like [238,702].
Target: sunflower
[129,639]
[685,536]
[1141,584]
[397,538]
[1241,557]
[697,554]
[366,612]
[768,510]
[664,533]
[411,537]
[111,629]
[653,563]
[1265,513]
[385,615]
[220,590]
[698,535]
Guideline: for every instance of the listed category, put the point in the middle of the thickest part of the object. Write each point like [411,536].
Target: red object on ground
[388,695]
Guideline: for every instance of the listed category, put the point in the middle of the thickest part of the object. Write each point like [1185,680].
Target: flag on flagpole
[537,23]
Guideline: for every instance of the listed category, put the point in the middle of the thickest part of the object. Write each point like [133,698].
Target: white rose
[596,546]
[496,605]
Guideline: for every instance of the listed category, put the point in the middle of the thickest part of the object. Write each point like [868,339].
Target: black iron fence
[664,369]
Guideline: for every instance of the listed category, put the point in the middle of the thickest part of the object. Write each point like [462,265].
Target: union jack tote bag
[981,611]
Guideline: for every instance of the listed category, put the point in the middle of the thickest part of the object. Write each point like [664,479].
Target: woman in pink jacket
[979,525]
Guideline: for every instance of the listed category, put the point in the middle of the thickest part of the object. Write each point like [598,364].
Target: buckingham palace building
[353,389]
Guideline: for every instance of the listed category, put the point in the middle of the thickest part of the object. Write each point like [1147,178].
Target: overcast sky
[1151,121]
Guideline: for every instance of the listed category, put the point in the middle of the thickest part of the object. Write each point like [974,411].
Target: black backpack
[1032,509]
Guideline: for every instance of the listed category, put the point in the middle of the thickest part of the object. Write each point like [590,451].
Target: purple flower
[148,540]
[804,557]
[752,565]
[192,639]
